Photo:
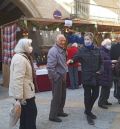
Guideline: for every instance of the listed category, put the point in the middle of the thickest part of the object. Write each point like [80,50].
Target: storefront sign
[68,23]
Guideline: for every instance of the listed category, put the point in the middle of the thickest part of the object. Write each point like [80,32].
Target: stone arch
[27,7]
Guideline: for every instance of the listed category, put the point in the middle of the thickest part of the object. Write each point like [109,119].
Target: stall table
[44,82]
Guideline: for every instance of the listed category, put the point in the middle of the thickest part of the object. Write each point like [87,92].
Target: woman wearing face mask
[89,57]
[21,86]
[105,78]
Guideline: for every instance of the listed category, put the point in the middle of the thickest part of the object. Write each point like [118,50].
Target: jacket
[21,81]
[90,60]
[105,78]
[70,53]
[115,51]
[56,62]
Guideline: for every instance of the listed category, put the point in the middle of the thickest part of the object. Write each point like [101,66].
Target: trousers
[28,115]
[91,93]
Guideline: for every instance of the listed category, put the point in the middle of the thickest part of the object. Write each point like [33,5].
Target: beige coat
[21,82]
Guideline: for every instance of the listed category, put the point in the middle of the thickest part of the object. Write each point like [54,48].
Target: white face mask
[108,47]
[87,43]
[30,49]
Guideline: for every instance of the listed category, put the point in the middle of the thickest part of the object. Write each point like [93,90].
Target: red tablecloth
[44,82]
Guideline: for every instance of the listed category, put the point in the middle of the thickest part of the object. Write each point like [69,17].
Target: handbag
[14,114]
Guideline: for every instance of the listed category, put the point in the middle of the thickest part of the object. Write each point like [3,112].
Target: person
[21,86]
[80,38]
[73,68]
[105,78]
[89,57]
[57,69]
[115,54]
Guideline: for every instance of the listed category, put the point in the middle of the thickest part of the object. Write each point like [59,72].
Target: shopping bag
[14,114]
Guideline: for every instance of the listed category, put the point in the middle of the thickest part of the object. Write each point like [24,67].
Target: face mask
[88,43]
[30,49]
[108,47]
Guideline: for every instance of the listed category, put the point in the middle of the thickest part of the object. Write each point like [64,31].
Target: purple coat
[105,78]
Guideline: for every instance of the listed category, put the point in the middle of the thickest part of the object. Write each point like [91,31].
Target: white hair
[105,42]
[23,45]
[75,45]
[60,36]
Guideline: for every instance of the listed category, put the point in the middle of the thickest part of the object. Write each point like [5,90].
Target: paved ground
[107,119]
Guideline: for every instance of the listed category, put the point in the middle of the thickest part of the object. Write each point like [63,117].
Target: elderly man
[57,68]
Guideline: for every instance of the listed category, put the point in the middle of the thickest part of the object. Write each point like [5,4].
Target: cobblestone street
[107,119]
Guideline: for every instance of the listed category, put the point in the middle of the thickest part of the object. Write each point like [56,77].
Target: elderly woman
[21,86]
[105,79]
[89,57]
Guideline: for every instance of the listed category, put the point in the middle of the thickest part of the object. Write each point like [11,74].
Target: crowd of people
[100,69]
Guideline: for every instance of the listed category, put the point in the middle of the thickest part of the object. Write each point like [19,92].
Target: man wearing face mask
[89,57]
[57,69]
[105,78]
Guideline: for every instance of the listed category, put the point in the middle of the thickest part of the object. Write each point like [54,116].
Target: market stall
[44,82]
[43,33]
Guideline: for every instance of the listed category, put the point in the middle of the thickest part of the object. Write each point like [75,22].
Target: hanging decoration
[9,42]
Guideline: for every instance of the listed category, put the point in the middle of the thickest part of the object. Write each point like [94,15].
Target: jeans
[117,89]
[73,75]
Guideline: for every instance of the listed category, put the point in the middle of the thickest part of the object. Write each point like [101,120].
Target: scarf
[90,47]
[33,71]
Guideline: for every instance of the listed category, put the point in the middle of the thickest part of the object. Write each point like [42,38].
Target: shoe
[103,106]
[91,115]
[90,120]
[107,103]
[63,114]
[55,119]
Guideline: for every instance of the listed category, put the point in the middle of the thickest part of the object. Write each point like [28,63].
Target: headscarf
[23,45]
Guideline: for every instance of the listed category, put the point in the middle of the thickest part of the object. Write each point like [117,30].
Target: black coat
[115,51]
[105,78]
[90,60]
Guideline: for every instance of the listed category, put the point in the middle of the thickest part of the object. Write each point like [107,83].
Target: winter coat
[115,51]
[56,62]
[70,53]
[105,78]
[21,81]
[90,62]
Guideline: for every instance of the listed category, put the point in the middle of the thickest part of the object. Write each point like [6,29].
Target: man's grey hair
[60,36]
[105,42]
